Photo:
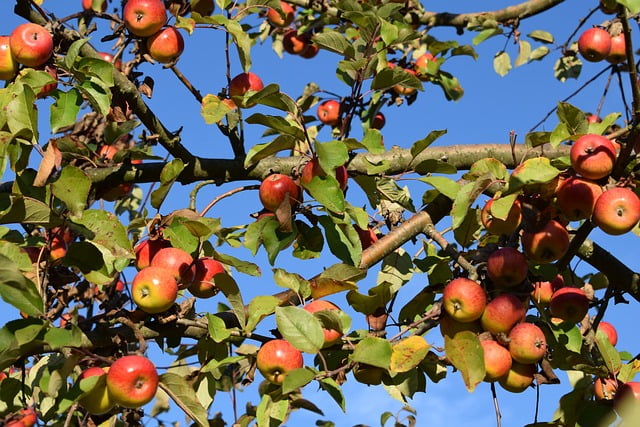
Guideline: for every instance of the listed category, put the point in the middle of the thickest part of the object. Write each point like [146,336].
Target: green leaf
[58,338]
[105,231]
[534,139]
[168,176]
[97,93]
[388,189]
[390,77]
[331,155]
[326,191]
[541,36]
[230,289]
[524,50]
[335,391]
[373,351]
[444,185]
[333,41]
[539,53]
[567,67]
[301,328]
[73,52]
[185,397]
[278,124]
[343,240]
[485,34]
[292,281]
[502,63]
[17,290]
[261,151]
[372,141]
[213,109]
[72,188]
[533,171]
[101,69]
[567,335]
[466,197]
[419,146]
[465,353]
[64,111]
[217,329]
[608,352]
[632,5]
[22,117]
[574,119]
[377,297]
[26,210]
[259,308]
[296,379]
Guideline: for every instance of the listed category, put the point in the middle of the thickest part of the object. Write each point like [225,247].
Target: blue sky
[492,106]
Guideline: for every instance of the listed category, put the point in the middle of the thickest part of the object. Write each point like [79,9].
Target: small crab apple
[546,245]
[502,313]
[569,304]
[31,44]
[594,44]
[243,83]
[88,5]
[507,267]
[276,188]
[618,52]
[610,332]
[519,377]
[166,45]
[497,360]
[527,343]
[179,262]
[96,401]
[312,169]
[8,65]
[402,89]
[329,112]
[593,118]
[146,249]
[464,299]
[576,198]
[132,381]
[421,65]
[203,285]
[276,358]
[495,225]
[294,43]
[277,20]
[154,289]
[617,211]
[110,58]
[593,156]
[378,121]
[543,290]
[144,18]
[627,398]
[310,50]
[331,336]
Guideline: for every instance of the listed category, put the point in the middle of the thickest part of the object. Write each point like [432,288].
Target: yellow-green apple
[281,20]
[367,237]
[144,18]
[276,358]
[147,249]
[88,5]
[166,45]
[421,66]
[132,381]
[464,299]
[276,188]
[605,388]
[312,169]
[331,336]
[97,400]
[594,44]
[519,377]
[203,285]
[618,52]
[497,360]
[378,121]
[179,263]
[329,112]
[495,225]
[502,313]
[450,327]
[202,7]
[8,65]
[576,198]
[295,43]
[543,290]
[610,332]
[243,83]
[507,267]
[547,244]
[569,304]
[527,343]
[31,44]
[592,156]
[617,210]
[154,289]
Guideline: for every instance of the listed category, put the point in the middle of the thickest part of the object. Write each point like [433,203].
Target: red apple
[331,336]
[592,118]
[464,299]
[312,168]
[618,52]
[26,417]
[519,377]
[144,18]
[88,5]
[569,304]
[593,156]
[96,401]
[617,210]
[57,249]
[329,112]
[276,188]
[277,20]
[594,44]
[31,44]
[546,245]
[110,58]
[507,267]
[295,43]
[166,45]
[495,225]
[610,331]
[401,89]
[527,343]
[576,198]
[154,289]
[497,360]
[243,83]
[310,50]
[132,381]
[627,399]
[276,358]
[378,121]
[8,65]
[180,263]
[543,291]
[367,237]
[203,285]
[421,66]
[145,250]
[502,313]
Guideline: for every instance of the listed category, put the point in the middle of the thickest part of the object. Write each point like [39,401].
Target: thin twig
[496,406]
[227,194]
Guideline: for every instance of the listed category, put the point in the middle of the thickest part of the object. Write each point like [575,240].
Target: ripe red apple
[592,156]
[8,65]
[110,58]
[569,304]
[57,249]
[295,43]
[329,112]
[576,198]
[179,263]
[496,225]
[592,118]
[243,83]
[31,44]
[618,52]
[310,50]
[497,360]
[546,245]
[527,343]
[132,381]
[502,313]
[401,89]
[275,189]
[276,358]
[610,331]
[87,5]
[202,7]
[97,400]
[277,20]
[617,210]
[166,45]
[507,267]
[144,18]
[519,377]
[464,299]
[367,237]
[378,121]
[312,168]
[627,398]
[543,291]
[145,250]
[331,336]
[203,285]
[421,66]
[154,289]
[26,417]
[594,44]
[605,388]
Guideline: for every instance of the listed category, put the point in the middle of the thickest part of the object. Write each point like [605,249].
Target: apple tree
[133,289]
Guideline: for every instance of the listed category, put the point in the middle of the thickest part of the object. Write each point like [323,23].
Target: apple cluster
[596,44]
[293,41]
[29,44]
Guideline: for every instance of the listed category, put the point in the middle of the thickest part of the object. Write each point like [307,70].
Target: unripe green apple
[96,401]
